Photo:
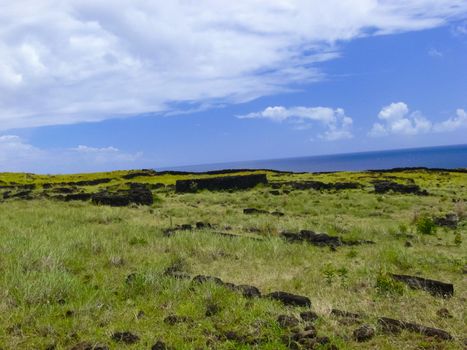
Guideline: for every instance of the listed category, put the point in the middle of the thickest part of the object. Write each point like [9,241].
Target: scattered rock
[383,186]
[341,313]
[318,239]
[238,182]
[323,340]
[131,278]
[160,345]
[309,316]
[290,299]
[408,244]
[203,225]
[310,333]
[254,211]
[364,333]
[435,288]
[234,336]
[277,213]
[248,291]
[390,325]
[286,321]
[206,279]
[174,319]
[444,313]
[449,220]
[212,310]
[125,337]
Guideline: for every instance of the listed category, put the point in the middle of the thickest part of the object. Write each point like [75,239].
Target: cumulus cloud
[18,155]
[338,125]
[87,60]
[397,119]
[453,123]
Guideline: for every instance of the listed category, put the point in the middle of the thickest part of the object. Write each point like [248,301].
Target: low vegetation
[78,275]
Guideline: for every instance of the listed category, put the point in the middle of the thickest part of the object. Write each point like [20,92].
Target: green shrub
[137,241]
[425,225]
[458,239]
[386,285]
[403,229]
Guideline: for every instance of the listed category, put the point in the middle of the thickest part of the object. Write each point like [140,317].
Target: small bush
[425,225]
[458,239]
[137,241]
[329,273]
[403,229]
[386,285]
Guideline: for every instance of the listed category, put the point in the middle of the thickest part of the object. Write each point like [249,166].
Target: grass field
[65,265]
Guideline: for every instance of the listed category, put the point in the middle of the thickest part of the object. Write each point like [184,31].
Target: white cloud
[435,53]
[18,155]
[338,125]
[460,29]
[396,119]
[87,60]
[454,123]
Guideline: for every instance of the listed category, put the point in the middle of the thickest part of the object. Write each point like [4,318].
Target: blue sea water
[430,157]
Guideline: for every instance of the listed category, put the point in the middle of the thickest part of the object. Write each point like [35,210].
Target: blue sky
[84,88]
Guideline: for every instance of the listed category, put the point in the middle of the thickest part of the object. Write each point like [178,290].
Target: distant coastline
[440,157]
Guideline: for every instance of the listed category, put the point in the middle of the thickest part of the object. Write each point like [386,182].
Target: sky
[94,85]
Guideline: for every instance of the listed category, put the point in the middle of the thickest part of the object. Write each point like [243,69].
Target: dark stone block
[390,325]
[290,299]
[221,183]
[434,287]
[387,186]
[140,195]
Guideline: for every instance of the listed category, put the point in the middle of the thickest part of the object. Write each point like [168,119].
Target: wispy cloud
[77,61]
[18,155]
[460,29]
[435,53]
[336,123]
[397,119]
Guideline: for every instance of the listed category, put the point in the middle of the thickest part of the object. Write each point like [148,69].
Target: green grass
[64,265]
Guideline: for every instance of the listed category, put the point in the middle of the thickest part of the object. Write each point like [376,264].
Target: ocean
[431,157]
